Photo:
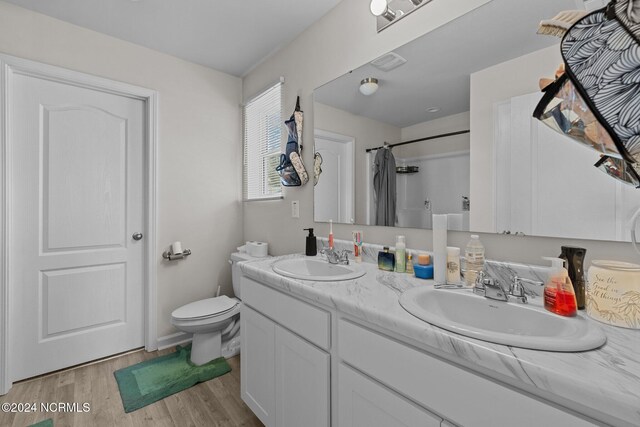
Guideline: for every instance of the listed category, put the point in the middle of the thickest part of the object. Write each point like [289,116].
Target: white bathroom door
[334,194]
[77,202]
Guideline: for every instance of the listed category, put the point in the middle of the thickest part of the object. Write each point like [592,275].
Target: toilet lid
[205,308]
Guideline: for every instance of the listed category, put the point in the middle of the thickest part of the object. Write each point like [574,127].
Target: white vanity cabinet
[365,403]
[285,378]
[462,397]
[303,365]
[258,361]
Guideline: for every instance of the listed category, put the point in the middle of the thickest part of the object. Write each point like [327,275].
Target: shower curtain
[384,185]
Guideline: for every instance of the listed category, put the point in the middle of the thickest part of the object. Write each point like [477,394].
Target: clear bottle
[474,256]
[400,254]
[453,265]
[409,266]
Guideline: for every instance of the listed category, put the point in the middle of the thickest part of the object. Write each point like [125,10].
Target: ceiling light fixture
[381,8]
[368,86]
[388,12]
[433,110]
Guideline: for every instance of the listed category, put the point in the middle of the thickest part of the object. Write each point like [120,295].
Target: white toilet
[214,322]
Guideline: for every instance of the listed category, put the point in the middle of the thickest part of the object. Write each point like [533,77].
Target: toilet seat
[206,309]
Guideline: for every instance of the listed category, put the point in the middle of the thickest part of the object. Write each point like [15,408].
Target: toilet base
[231,346]
[206,347]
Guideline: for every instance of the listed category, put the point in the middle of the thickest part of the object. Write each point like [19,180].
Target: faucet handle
[522,279]
[332,256]
[344,256]
[480,279]
[516,290]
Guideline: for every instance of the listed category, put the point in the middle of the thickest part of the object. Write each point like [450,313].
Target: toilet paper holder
[176,252]
[173,257]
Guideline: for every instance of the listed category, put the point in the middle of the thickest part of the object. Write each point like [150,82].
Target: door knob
[137,236]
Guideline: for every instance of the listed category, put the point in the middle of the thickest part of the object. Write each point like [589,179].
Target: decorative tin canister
[613,293]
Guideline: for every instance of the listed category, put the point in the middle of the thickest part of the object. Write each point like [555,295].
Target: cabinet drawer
[364,403]
[308,321]
[465,398]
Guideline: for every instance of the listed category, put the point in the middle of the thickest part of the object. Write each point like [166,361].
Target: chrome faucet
[492,288]
[518,291]
[333,257]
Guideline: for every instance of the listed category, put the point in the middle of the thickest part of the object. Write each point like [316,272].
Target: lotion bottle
[400,254]
[453,265]
[559,296]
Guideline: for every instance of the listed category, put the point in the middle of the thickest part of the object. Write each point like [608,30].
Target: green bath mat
[46,423]
[152,380]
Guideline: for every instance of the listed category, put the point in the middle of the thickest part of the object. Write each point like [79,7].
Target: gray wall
[343,40]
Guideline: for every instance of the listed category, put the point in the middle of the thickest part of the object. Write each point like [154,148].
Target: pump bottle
[559,296]
[311,248]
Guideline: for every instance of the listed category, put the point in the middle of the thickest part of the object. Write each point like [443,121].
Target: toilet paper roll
[440,248]
[257,249]
[176,248]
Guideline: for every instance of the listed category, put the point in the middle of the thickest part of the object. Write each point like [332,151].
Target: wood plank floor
[210,404]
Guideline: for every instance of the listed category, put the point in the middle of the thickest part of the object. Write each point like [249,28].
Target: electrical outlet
[295,209]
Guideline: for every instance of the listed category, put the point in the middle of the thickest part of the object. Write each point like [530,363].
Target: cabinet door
[302,382]
[257,379]
[365,403]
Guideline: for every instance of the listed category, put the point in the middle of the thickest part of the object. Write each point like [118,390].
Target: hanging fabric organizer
[595,99]
[291,168]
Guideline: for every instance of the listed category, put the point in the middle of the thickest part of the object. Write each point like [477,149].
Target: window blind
[262,136]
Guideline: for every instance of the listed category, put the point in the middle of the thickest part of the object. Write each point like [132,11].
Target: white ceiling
[439,64]
[230,36]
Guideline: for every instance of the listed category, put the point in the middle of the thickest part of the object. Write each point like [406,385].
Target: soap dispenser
[559,296]
[574,257]
[311,246]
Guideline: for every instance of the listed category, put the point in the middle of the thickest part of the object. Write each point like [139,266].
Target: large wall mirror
[453,110]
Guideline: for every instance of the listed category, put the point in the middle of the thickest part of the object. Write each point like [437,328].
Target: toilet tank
[236,273]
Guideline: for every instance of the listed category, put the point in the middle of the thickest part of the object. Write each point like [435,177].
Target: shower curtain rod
[460,132]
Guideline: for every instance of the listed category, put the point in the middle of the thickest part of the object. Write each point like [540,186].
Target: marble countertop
[603,384]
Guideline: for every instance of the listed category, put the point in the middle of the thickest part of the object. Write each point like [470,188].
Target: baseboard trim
[173,340]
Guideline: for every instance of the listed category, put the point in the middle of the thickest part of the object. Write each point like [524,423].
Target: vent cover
[388,61]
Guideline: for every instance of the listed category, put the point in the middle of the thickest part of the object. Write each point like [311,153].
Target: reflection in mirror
[333,192]
[480,73]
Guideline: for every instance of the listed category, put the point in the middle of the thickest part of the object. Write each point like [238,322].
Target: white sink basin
[507,323]
[317,270]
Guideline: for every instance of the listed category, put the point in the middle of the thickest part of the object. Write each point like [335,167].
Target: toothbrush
[330,234]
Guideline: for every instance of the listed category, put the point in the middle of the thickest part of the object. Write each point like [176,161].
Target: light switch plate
[295,209]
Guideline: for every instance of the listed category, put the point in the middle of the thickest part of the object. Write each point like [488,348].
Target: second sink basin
[317,270]
[507,323]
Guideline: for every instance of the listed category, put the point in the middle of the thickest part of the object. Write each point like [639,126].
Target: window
[262,134]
